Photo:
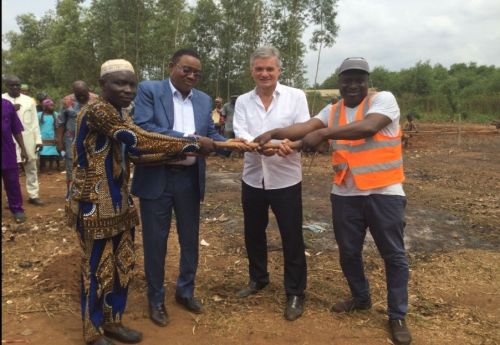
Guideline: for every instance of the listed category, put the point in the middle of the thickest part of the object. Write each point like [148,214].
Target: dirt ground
[452,234]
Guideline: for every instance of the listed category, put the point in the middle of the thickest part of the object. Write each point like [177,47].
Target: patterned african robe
[99,197]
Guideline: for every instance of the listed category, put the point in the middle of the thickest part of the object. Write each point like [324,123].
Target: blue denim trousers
[384,215]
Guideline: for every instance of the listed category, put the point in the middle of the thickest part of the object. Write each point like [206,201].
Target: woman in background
[47,119]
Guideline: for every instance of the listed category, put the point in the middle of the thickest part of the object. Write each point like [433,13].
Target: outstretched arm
[105,119]
[294,132]
[365,128]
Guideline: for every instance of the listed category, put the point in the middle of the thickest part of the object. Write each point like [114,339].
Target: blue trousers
[384,216]
[181,195]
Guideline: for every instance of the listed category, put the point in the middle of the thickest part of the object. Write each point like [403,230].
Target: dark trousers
[286,204]
[182,195]
[384,215]
[12,188]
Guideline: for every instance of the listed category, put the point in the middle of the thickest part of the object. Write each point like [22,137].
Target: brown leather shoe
[294,307]
[192,304]
[158,314]
[121,333]
[252,288]
[350,305]
[399,332]
[102,340]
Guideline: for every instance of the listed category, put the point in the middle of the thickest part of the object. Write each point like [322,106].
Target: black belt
[178,167]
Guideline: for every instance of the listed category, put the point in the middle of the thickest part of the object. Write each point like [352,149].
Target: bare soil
[452,234]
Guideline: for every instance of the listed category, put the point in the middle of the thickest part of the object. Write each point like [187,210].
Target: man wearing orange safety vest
[367,192]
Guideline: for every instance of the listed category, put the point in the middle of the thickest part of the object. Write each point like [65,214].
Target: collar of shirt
[277,91]
[176,93]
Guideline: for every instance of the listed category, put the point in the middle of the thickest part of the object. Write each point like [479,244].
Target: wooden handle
[238,145]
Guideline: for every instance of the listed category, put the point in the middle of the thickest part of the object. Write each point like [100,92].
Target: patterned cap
[116,65]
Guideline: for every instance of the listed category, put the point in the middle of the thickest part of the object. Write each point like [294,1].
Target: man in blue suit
[175,108]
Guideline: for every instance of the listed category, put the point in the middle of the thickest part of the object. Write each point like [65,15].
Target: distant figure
[409,126]
[335,100]
[47,120]
[228,113]
[217,116]
[66,122]
[39,99]
[12,127]
[25,89]
[26,110]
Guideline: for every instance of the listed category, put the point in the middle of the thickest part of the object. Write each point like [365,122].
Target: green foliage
[437,93]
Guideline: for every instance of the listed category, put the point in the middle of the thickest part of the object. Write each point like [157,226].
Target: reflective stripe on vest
[374,162]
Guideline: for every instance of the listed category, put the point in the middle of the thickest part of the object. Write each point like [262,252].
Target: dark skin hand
[206,145]
[59,139]
[20,141]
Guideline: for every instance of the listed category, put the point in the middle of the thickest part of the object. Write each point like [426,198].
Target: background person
[228,114]
[66,123]
[12,128]
[26,111]
[217,116]
[47,120]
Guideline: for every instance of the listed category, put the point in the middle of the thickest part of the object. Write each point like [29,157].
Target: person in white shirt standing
[270,180]
[26,110]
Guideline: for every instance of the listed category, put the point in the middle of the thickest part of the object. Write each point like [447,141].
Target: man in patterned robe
[99,204]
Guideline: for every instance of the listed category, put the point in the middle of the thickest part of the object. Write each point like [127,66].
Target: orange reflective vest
[374,162]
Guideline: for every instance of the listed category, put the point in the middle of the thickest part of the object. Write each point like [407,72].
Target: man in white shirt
[367,190]
[272,181]
[26,110]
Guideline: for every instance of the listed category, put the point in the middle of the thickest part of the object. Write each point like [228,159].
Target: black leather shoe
[158,314]
[35,201]
[399,332]
[121,333]
[351,305]
[252,288]
[294,307]
[102,340]
[190,303]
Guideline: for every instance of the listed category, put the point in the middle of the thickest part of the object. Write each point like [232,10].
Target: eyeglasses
[188,70]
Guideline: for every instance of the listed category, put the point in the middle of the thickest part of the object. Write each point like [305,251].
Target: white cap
[116,65]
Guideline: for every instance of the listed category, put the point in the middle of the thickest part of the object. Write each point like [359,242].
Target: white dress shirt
[288,106]
[183,118]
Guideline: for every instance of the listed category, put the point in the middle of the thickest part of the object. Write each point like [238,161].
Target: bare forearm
[297,131]
[20,141]
[358,129]
[59,134]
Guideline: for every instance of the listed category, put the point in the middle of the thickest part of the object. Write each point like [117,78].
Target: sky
[394,34]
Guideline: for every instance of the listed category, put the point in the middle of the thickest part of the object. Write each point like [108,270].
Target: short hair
[265,52]
[79,84]
[12,78]
[184,51]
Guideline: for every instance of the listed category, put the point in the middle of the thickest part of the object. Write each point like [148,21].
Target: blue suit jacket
[154,112]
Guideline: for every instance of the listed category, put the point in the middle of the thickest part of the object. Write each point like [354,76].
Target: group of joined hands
[263,145]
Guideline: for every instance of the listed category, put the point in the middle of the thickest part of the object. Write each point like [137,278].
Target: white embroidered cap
[116,65]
